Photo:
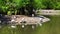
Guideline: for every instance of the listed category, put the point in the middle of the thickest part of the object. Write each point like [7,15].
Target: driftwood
[24,20]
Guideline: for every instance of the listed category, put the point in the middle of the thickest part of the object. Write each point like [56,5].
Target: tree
[19,6]
[38,4]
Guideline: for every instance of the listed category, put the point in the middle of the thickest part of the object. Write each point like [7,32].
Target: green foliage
[9,13]
[13,5]
[38,4]
[47,4]
[57,5]
[18,2]
[21,3]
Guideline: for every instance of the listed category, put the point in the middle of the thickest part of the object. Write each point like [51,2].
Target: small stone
[32,15]
[14,16]
[0,21]
[40,24]
[32,27]
[22,26]
[13,26]
[12,20]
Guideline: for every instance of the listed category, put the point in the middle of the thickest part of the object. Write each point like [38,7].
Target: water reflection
[18,30]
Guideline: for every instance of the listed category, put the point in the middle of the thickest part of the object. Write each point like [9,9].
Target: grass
[52,27]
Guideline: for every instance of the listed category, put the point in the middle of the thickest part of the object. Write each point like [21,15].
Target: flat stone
[13,26]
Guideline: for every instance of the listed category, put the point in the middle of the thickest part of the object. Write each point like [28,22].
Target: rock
[12,20]
[33,27]
[40,24]
[32,15]
[13,26]
[22,26]
[0,21]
